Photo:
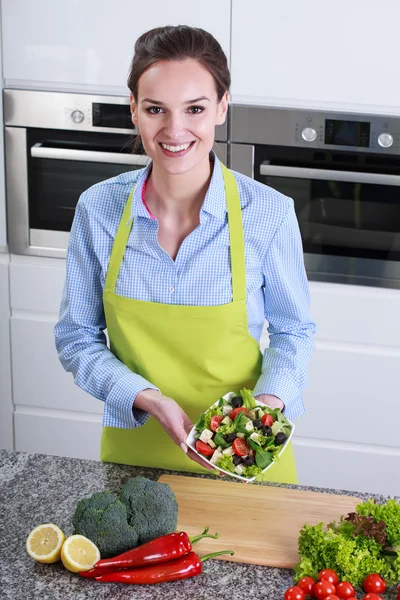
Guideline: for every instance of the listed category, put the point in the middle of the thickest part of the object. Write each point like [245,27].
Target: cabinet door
[6,411]
[3,236]
[88,44]
[299,54]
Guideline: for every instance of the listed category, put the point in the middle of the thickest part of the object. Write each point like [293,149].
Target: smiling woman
[182,262]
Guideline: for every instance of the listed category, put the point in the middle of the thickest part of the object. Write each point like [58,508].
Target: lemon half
[79,553]
[44,543]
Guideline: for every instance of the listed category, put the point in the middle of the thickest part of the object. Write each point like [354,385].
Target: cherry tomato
[267,420]
[240,447]
[374,584]
[215,422]
[307,585]
[236,411]
[332,597]
[294,593]
[328,575]
[322,589]
[372,596]
[345,590]
[204,449]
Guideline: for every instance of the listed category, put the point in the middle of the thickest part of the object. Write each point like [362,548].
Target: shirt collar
[214,201]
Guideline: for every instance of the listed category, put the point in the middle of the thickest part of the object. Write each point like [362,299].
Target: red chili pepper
[184,567]
[162,549]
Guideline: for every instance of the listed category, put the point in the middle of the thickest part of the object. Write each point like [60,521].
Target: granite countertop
[36,488]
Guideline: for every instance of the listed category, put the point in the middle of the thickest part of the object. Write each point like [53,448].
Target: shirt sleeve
[79,333]
[290,327]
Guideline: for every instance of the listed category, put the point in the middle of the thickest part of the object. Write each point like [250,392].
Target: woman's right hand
[171,417]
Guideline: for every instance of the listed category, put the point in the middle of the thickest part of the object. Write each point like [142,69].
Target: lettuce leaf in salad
[249,401]
[227,428]
[226,462]
[252,471]
[263,458]
[203,422]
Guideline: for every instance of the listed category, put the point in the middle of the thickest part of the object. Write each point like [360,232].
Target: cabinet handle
[329,175]
[139,160]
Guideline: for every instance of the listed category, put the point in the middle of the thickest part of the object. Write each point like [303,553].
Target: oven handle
[329,175]
[139,160]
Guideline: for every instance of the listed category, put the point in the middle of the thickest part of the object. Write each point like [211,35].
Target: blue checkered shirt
[277,287]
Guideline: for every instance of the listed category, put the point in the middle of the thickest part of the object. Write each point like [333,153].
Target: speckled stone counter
[35,489]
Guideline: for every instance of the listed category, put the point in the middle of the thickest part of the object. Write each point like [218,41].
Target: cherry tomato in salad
[294,593]
[267,420]
[236,411]
[240,447]
[322,589]
[307,585]
[332,597]
[372,596]
[328,575]
[374,584]
[204,449]
[345,590]
[215,422]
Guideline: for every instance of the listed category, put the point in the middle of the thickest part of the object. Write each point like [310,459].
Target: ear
[222,109]
[133,109]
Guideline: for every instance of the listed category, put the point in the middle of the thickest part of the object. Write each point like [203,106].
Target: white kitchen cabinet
[6,408]
[3,235]
[299,54]
[87,45]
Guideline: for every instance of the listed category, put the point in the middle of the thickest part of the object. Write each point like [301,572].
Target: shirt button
[172,289]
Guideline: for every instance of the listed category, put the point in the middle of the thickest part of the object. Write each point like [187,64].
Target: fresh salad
[241,436]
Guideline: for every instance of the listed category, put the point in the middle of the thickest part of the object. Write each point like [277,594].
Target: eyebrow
[158,103]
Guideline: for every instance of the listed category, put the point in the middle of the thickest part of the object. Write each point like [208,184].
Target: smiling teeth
[176,148]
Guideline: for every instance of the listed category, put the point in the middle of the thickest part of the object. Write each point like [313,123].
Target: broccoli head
[103,519]
[152,507]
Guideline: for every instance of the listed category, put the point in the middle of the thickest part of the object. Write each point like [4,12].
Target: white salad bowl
[191,442]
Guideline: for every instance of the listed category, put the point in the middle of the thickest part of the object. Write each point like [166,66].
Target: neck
[178,195]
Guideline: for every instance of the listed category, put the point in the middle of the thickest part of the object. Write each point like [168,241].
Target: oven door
[47,171]
[347,205]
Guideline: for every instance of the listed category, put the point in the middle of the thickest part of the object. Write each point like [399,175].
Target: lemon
[44,543]
[79,554]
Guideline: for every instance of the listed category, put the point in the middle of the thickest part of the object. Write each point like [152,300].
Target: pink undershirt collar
[144,201]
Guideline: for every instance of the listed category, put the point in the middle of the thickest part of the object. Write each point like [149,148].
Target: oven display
[115,116]
[347,133]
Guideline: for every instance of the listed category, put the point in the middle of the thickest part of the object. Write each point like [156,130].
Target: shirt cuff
[279,384]
[120,402]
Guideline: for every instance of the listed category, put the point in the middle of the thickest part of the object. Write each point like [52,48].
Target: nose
[174,128]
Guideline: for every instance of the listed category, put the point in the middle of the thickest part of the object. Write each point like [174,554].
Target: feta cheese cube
[215,457]
[228,451]
[255,437]
[212,444]
[226,409]
[206,435]
[226,421]
[239,469]
[241,435]
[249,426]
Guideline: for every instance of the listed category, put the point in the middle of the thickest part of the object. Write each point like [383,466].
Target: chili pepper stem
[207,556]
[205,534]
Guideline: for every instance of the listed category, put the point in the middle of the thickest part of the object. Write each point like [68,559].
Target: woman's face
[176,111]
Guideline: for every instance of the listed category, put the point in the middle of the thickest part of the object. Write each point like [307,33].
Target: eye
[196,110]
[154,110]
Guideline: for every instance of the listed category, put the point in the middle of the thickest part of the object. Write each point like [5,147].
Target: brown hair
[179,43]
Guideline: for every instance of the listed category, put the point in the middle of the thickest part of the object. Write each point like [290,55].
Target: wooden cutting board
[260,523]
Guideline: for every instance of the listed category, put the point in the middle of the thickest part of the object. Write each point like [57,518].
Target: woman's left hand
[271,401]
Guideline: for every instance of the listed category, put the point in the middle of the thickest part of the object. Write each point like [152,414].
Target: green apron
[193,354]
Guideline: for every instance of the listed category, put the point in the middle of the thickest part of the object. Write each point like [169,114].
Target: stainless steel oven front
[343,173]
[57,145]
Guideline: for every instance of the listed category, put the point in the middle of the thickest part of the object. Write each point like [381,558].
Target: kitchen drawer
[35,286]
[57,435]
[38,377]
[347,467]
[6,408]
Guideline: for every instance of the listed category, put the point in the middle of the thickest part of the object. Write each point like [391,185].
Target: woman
[182,262]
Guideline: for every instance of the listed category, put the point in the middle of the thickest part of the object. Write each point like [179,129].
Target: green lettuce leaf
[249,401]
[226,462]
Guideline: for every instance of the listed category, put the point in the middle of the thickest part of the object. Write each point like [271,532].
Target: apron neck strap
[235,236]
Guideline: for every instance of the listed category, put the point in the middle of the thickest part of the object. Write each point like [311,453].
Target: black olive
[280,438]
[237,401]
[237,460]
[258,423]
[230,437]
[267,431]
[248,461]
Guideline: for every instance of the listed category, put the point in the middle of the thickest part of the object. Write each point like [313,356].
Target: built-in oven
[343,173]
[57,145]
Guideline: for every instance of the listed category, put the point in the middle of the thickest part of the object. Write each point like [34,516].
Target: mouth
[176,150]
